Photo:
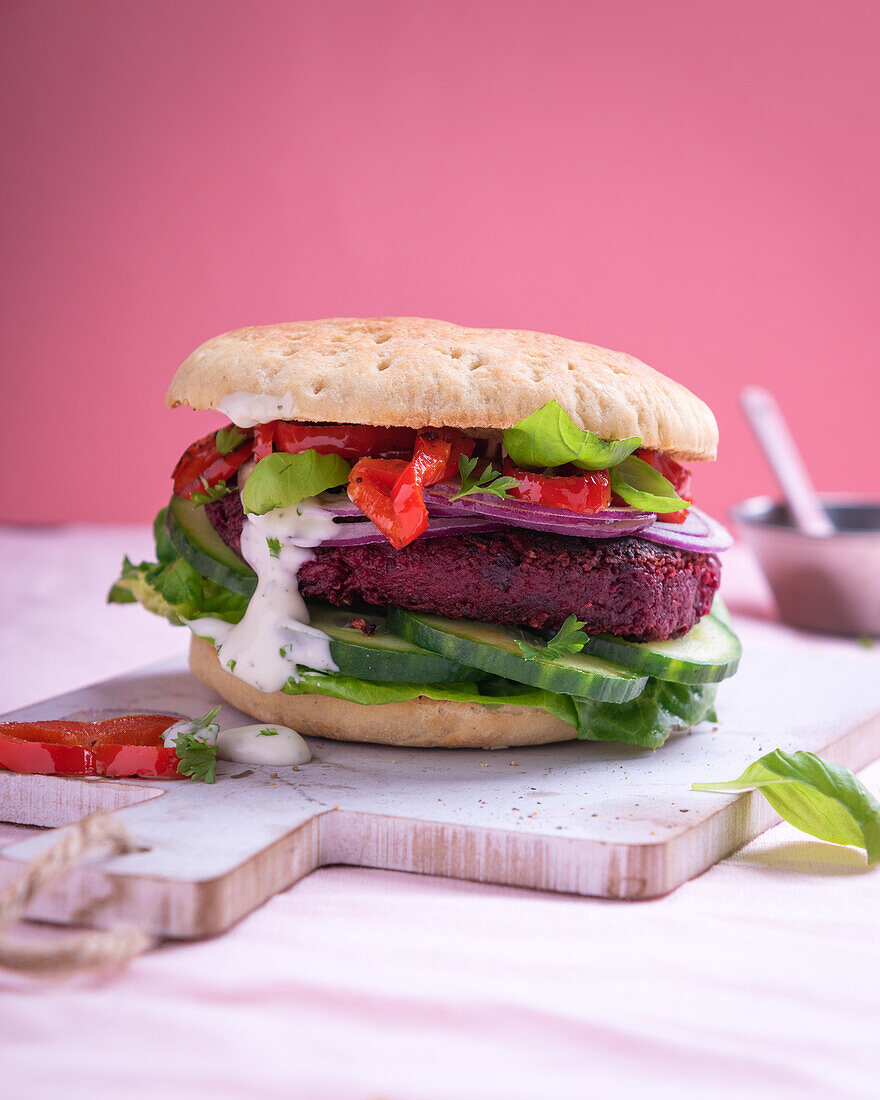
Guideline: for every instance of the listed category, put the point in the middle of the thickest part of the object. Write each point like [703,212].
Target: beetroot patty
[621,586]
[626,586]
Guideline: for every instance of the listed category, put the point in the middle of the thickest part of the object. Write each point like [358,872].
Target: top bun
[410,372]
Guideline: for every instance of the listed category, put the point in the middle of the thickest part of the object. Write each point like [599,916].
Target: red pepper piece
[352,441]
[369,487]
[585,492]
[264,439]
[44,748]
[132,745]
[201,463]
[435,458]
[129,745]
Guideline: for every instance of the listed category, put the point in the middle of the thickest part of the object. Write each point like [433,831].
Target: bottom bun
[418,723]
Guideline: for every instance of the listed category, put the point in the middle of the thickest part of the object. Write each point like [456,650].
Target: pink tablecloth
[759,978]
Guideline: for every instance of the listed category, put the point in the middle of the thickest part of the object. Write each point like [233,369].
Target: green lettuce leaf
[647,720]
[171,587]
[549,437]
[645,488]
[281,480]
[493,691]
[825,800]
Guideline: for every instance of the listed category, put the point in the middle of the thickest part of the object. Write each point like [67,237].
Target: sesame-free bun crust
[420,723]
[411,372]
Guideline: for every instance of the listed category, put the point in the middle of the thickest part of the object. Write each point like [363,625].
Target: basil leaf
[645,488]
[549,437]
[281,480]
[825,800]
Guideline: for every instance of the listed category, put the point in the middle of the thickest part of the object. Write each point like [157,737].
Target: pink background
[694,182]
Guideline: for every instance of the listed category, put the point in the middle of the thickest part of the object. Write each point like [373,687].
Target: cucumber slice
[719,611]
[193,536]
[709,652]
[494,649]
[383,656]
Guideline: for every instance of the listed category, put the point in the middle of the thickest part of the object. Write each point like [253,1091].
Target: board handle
[88,950]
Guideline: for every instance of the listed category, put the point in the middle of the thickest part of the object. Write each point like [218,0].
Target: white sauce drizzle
[274,637]
[249,409]
[263,744]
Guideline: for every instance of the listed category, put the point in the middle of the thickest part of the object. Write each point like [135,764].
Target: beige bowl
[827,584]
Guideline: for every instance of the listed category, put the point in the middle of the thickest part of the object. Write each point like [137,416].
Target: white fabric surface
[758,979]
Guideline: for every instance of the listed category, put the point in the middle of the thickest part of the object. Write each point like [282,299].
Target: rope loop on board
[86,950]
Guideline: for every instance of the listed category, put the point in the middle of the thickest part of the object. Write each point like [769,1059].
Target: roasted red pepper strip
[673,471]
[585,492]
[201,463]
[129,745]
[352,441]
[435,458]
[389,492]
[264,439]
[369,487]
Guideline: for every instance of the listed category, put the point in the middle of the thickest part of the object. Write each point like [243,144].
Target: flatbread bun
[411,372]
[421,723]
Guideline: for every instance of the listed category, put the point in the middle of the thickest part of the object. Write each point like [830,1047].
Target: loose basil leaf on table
[645,488]
[281,480]
[549,437]
[825,800]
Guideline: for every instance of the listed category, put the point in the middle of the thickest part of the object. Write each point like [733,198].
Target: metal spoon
[785,460]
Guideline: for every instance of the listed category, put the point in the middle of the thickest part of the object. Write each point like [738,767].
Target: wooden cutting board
[578,817]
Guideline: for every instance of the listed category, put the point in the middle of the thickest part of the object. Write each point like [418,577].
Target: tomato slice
[129,745]
[352,441]
[673,471]
[585,492]
[201,463]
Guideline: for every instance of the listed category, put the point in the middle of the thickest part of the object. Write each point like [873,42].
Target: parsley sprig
[196,758]
[570,638]
[210,493]
[229,439]
[489,481]
[196,747]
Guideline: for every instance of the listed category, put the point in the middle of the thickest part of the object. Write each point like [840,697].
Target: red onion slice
[611,523]
[339,505]
[365,532]
[685,536]
[481,513]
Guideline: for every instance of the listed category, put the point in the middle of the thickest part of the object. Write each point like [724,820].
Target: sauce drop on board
[264,743]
